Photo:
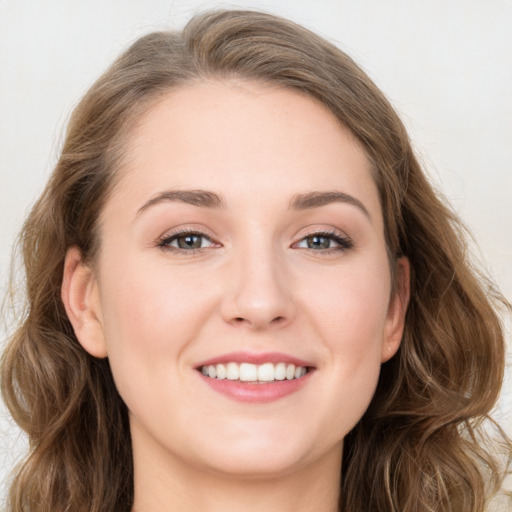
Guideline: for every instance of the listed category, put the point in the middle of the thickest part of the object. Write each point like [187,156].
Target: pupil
[318,242]
[189,242]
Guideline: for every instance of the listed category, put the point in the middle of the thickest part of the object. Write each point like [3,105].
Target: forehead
[236,137]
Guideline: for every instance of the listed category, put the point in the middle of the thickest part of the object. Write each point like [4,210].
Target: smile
[248,372]
[256,378]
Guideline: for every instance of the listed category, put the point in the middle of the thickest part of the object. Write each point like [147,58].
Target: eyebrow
[206,199]
[317,199]
[201,198]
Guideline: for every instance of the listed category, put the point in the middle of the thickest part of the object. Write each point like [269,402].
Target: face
[242,291]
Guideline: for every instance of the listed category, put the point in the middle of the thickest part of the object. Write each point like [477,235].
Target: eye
[325,241]
[186,241]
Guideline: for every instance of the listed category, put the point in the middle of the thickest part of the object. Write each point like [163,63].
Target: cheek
[150,316]
[351,304]
[350,312]
[361,326]
[148,305]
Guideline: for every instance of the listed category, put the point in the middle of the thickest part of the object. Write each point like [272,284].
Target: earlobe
[80,296]
[395,322]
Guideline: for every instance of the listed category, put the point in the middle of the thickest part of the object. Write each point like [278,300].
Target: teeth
[266,372]
[221,371]
[280,371]
[248,372]
[232,372]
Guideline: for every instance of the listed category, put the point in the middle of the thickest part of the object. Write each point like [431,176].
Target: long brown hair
[419,447]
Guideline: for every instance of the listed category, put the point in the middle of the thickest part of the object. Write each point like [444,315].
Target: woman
[242,292]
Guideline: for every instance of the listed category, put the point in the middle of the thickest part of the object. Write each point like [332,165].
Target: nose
[260,292]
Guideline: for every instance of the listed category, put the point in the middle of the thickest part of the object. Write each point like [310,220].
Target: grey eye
[318,242]
[325,242]
[189,241]
[186,241]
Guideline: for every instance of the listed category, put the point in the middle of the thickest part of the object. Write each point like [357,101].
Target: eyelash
[165,242]
[344,243]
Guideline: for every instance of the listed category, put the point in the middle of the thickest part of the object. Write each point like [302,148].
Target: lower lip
[256,393]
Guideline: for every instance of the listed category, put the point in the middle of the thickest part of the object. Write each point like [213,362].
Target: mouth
[246,377]
[254,373]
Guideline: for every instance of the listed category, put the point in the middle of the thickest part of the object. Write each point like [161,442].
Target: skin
[255,285]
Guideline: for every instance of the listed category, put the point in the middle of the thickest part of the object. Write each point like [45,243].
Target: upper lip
[255,358]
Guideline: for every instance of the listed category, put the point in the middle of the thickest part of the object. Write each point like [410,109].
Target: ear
[398,303]
[80,296]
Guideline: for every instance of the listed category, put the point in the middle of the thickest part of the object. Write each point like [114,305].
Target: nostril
[276,320]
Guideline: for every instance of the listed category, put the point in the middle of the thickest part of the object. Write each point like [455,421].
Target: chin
[247,465]
[260,454]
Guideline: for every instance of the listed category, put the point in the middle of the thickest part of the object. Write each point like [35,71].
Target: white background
[446,65]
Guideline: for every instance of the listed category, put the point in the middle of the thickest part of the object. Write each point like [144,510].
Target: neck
[171,484]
